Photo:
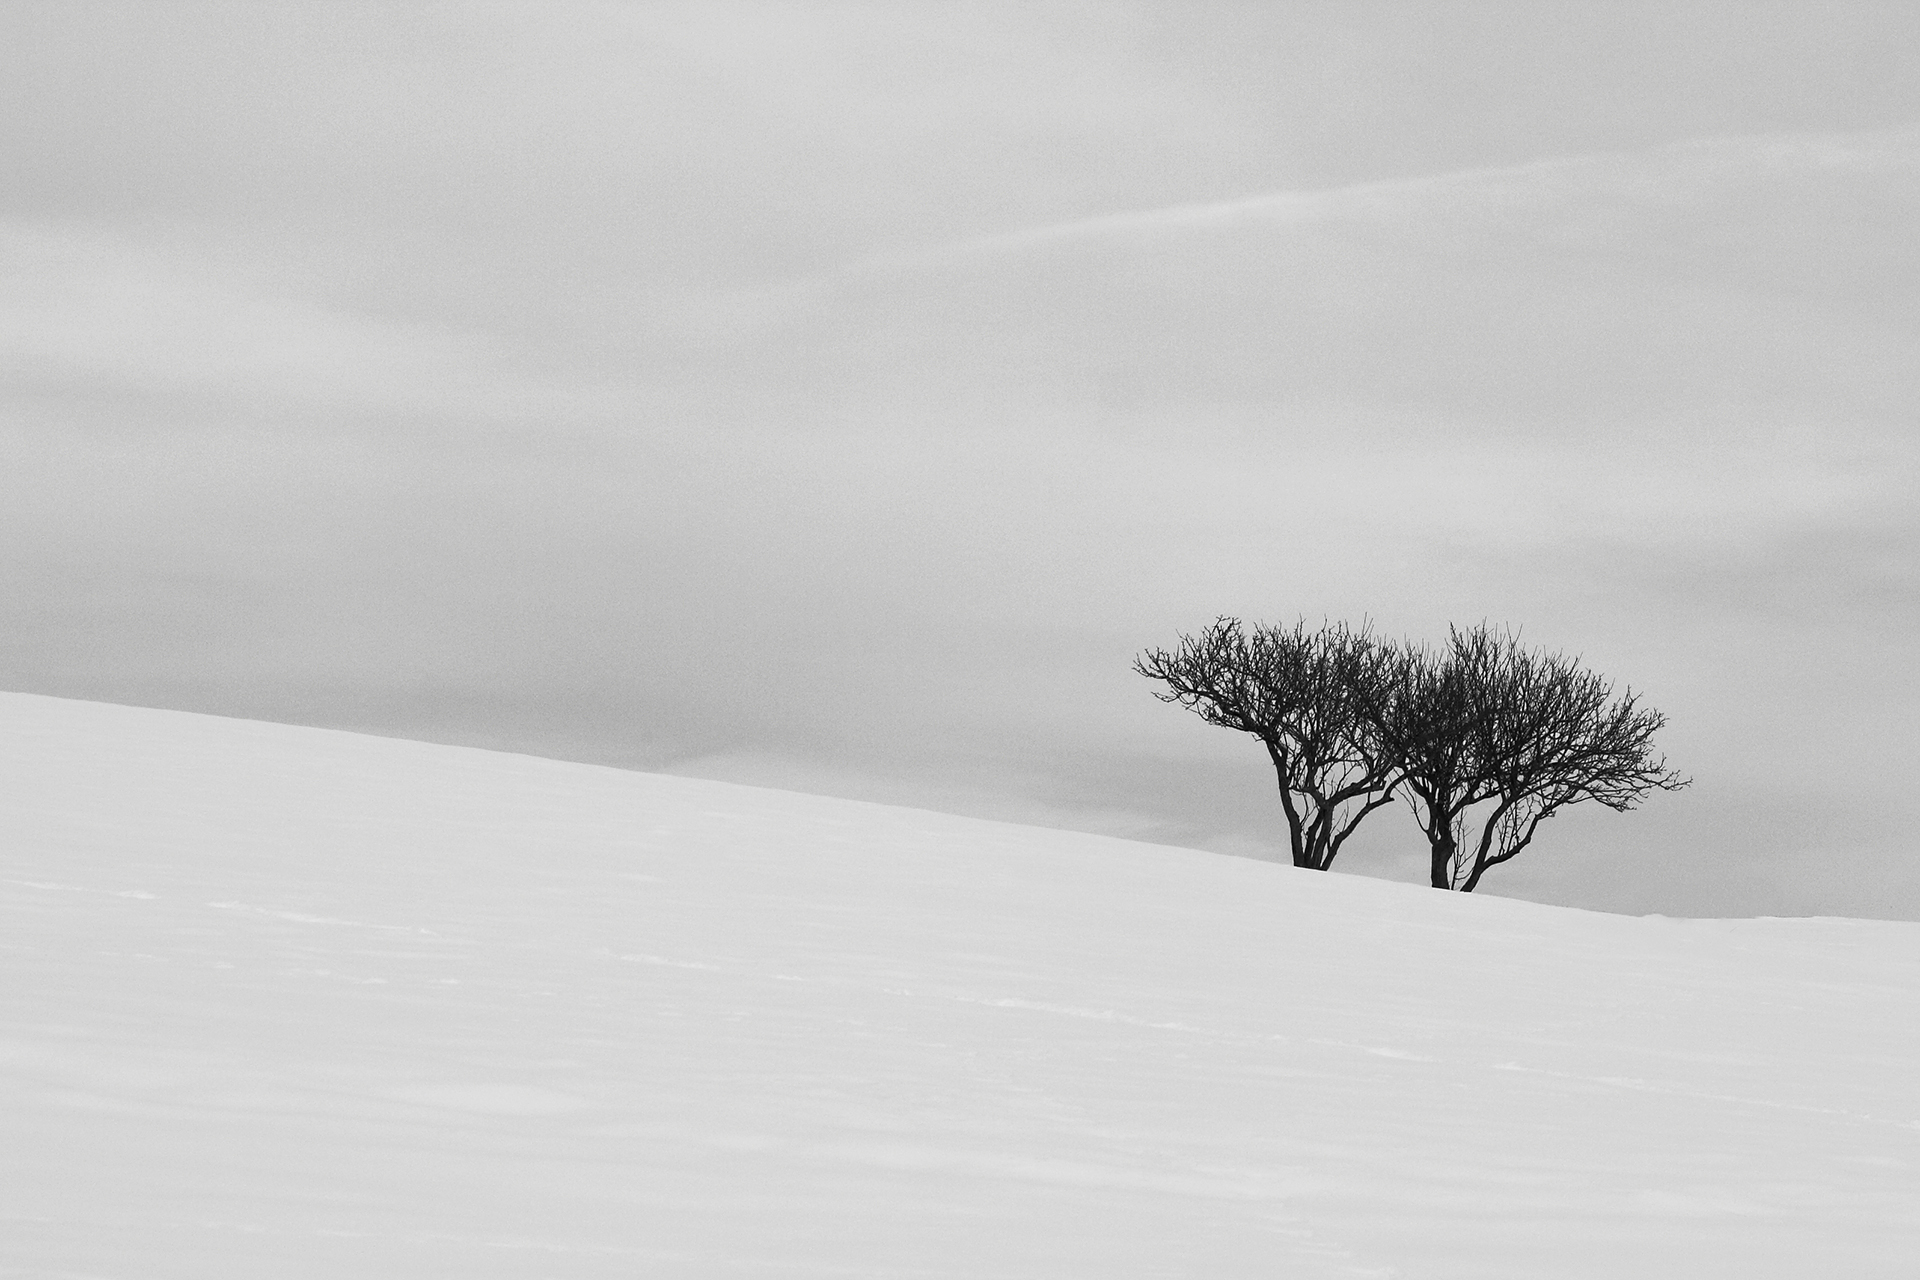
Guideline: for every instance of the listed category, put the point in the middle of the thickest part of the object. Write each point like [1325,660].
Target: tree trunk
[1443,851]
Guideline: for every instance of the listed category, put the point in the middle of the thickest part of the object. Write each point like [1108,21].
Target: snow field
[285,1002]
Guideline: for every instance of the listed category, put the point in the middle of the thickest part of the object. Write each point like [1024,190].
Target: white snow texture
[281,1002]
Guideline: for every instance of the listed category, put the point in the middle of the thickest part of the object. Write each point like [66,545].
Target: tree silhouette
[1492,739]
[1484,738]
[1313,698]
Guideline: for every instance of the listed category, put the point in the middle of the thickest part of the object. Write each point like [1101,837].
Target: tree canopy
[1493,738]
[1310,697]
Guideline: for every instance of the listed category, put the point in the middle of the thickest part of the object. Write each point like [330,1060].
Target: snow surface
[281,1002]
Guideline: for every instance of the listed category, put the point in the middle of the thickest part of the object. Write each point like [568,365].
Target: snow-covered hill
[280,1002]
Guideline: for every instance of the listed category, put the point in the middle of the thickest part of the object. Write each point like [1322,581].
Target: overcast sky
[838,396]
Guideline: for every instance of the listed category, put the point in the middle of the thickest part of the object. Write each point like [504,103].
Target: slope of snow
[283,1002]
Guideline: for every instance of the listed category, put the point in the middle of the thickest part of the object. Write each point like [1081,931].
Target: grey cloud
[678,388]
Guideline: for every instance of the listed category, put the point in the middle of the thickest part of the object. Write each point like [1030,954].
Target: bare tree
[1313,699]
[1492,739]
